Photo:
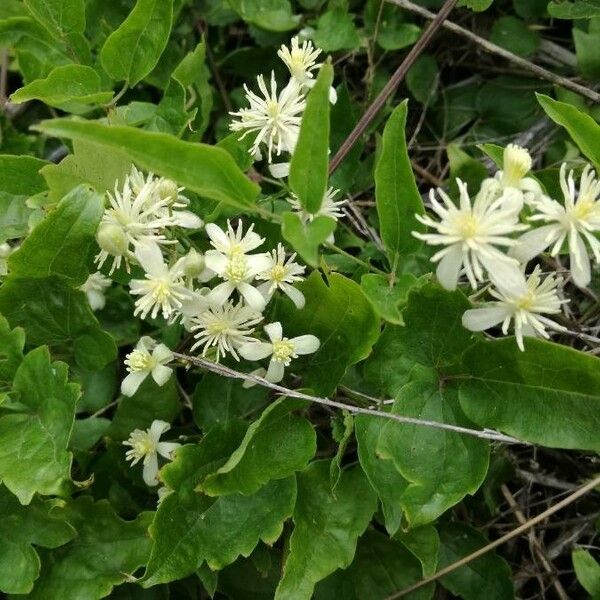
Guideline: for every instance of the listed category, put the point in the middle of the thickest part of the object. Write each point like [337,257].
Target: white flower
[194,267]
[280,274]
[525,304]
[94,287]
[276,118]
[470,235]
[516,164]
[191,306]
[301,60]
[233,241]
[281,350]
[237,271]
[225,328]
[330,207]
[163,289]
[147,358]
[146,445]
[5,250]
[575,222]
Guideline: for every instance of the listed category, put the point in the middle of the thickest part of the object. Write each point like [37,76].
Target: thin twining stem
[499,51]
[391,85]
[584,489]
[219,369]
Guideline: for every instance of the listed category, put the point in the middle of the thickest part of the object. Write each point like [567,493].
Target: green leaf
[90,164]
[218,399]
[20,529]
[207,170]
[396,193]
[342,318]
[422,79]
[342,427]
[514,35]
[380,568]
[336,31]
[548,395]
[187,533]
[326,528]
[442,467]
[581,127]
[476,5]
[486,577]
[466,168]
[52,313]
[272,15]
[587,570]
[105,553]
[68,87]
[306,238]
[385,298]
[33,442]
[274,447]
[20,175]
[423,543]
[579,9]
[59,17]
[586,45]
[383,476]
[12,343]
[310,161]
[132,51]
[87,432]
[63,243]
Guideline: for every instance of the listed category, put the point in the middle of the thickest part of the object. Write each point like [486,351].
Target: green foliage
[309,165]
[132,51]
[588,572]
[514,35]
[577,9]
[306,238]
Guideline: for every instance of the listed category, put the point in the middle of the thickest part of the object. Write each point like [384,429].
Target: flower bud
[193,264]
[167,190]
[112,239]
[5,250]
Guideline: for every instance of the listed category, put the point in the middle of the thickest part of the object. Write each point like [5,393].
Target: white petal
[580,263]
[279,170]
[332,95]
[449,268]
[158,427]
[162,354]
[216,261]
[252,296]
[275,371]
[146,343]
[274,331]
[296,296]
[506,276]
[480,319]
[132,382]
[217,236]
[150,258]
[532,243]
[221,293]
[161,374]
[166,449]
[150,471]
[255,350]
[257,263]
[305,344]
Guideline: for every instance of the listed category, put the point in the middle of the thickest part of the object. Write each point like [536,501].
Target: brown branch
[219,369]
[584,489]
[391,85]
[499,51]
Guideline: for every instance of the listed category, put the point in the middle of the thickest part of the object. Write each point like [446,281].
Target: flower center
[278,273]
[143,445]
[467,226]
[139,360]
[283,351]
[526,301]
[218,327]
[237,268]
[161,291]
[272,109]
[582,210]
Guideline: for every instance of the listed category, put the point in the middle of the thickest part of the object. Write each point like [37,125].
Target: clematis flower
[276,117]
[470,234]
[224,328]
[146,446]
[232,242]
[281,350]
[148,358]
[163,289]
[525,304]
[94,287]
[574,222]
[280,274]
[330,207]
[516,164]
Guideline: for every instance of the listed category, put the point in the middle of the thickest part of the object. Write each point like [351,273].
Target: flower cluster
[509,222]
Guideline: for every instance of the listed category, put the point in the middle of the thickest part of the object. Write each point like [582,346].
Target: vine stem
[219,369]
[584,489]
[391,85]
[499,51]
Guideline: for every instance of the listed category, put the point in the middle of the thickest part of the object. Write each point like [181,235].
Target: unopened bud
[167,190]
[193,264]
[112,238]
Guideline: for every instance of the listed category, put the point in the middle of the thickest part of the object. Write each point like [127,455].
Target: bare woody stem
[581,491]
[499,51]
[219,369]
[391,85]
